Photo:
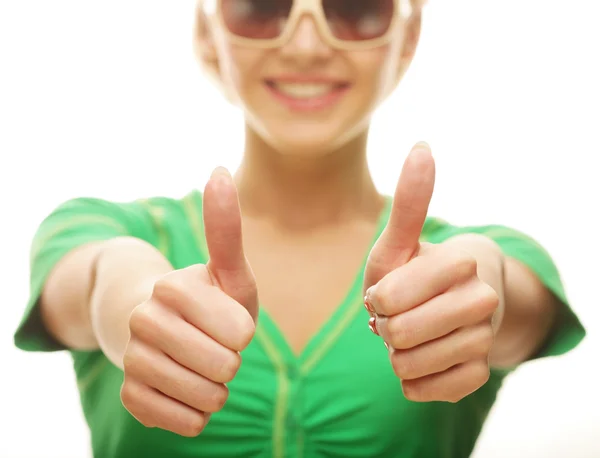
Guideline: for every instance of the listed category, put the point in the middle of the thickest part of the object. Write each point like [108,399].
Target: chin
[310,138]
[303,141]
[303,148]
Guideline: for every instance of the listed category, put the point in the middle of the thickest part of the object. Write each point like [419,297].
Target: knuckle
[481,374]
[487,300]
[128,361]
[465,265]
[245,331]
[474,376]
[132,398]
[128,394]
[172,291]
[377,295]
[168,282]
[404,365]
[218,398]
[228,367]
[145,421]
[165,285]
[480,341]
[137,318]
[380,297]
[487,337]
[413,391]
[136,360]
[142,322]
[194,425]
[402,335]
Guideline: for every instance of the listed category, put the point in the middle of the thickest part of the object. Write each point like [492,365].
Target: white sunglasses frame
[403,9]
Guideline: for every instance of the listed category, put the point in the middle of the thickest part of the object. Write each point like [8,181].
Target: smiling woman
[253,318]
[294,62]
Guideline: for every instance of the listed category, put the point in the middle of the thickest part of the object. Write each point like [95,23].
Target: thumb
[399,241]
[228,265]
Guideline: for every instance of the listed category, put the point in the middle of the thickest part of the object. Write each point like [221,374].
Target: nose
[306,43]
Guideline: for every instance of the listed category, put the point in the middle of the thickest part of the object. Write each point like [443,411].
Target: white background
[105,99]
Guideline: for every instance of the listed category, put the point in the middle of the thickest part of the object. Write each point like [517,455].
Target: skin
[468,308]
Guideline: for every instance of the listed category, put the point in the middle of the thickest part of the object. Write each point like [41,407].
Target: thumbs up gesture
[426,301]
[185,339]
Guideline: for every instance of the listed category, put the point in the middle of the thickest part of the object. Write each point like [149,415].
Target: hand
[186,338]
[427,301]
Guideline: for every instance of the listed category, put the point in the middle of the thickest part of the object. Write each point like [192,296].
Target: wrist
[124,277]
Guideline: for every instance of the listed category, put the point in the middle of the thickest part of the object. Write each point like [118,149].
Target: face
[314,88]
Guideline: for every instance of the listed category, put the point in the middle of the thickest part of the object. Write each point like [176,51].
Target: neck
[309,191]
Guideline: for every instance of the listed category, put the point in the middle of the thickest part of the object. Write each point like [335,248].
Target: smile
[307,96]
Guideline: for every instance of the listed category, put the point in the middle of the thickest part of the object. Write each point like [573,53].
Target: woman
[160,300]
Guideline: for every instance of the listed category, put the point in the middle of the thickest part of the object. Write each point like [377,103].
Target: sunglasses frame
[403,9]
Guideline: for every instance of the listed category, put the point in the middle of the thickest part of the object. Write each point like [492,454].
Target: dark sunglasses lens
[258,19]
[358,20]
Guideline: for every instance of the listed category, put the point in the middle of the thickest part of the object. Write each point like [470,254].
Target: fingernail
[422,145]
[387,346]
[368,306]
[220,172]
[373,326]
[369,294]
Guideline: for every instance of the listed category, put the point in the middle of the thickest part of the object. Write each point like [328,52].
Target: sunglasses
[343,24]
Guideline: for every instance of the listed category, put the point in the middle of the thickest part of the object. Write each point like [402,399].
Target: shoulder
[175,213]
[437,230]
[152,208]
[99,218]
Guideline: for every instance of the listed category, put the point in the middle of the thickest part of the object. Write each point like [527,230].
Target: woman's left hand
[427,301]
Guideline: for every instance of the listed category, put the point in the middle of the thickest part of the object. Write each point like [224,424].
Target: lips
[307,95]
[305,91]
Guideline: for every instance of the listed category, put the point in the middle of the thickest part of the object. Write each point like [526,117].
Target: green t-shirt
[338,398]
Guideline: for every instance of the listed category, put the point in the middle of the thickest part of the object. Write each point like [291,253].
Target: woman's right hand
[185,339]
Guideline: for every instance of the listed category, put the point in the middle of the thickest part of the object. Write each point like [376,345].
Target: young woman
[192,337]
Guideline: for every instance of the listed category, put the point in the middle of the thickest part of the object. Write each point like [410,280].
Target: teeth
[304,91]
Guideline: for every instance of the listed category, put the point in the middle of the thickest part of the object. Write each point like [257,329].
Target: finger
[411,201]
[399,241]
[420,279]
[223,228]
[465,344]
[451,385]
[206,307]
[155,410]
[157,370]
[166,332]
[467,305]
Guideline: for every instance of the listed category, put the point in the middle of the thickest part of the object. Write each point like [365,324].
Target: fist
[185,339]
[427,301]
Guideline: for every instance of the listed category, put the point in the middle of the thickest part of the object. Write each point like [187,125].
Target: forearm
[64,302]
[89,295]
[527,310]
[125,274]
[531,311]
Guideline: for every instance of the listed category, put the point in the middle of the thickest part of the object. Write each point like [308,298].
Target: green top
[338,398]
